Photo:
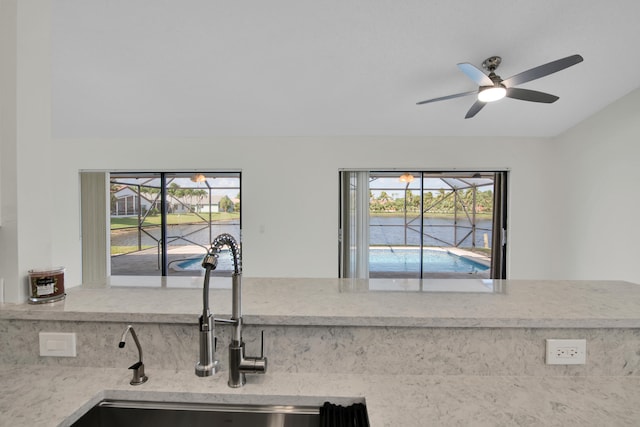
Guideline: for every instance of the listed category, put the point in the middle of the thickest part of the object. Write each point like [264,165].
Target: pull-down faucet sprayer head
[210,261]
[217,244]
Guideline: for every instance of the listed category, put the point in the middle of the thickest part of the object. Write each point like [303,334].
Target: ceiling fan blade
[442,98]
[542,70]
[531,95]
[477,106]
[475,74]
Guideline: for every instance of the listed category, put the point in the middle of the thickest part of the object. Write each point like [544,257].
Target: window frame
[95,212]
[354,220]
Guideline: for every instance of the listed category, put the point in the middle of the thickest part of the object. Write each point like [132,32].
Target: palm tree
[226,205]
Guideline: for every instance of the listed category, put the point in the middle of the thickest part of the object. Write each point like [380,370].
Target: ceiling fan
[492,87]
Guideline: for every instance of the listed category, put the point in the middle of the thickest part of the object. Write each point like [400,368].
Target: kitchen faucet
[207,364]
[138,368]
[239,364]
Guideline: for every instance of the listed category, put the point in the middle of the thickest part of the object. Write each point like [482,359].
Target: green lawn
[172,219]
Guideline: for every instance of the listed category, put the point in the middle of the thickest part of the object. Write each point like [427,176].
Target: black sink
[125,413]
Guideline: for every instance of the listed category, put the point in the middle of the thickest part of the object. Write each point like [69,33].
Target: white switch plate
[566,352]
[60,344]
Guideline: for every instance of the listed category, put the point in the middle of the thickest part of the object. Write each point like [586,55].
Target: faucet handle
[262,344]
[138,374]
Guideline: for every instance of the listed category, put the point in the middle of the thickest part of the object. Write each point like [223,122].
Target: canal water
[390,231]
[185,234]
[385,231]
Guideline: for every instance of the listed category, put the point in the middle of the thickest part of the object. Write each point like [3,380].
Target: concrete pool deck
[146,262]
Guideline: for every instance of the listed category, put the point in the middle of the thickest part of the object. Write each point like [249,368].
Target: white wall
[598,206]
[303,241]
[25,238]
[8,170]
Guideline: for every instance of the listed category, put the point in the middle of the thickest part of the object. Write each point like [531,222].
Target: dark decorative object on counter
[46,285]
[343,416]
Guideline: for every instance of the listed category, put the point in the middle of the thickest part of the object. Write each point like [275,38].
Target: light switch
[60,344]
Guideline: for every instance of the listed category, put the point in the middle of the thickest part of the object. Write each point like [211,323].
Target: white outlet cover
[59,344]
[566,351]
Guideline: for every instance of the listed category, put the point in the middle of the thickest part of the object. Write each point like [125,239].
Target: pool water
[380,260]
[225,263]
[408,260]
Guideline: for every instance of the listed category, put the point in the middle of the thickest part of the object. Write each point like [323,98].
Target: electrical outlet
[61,344]
[566,352]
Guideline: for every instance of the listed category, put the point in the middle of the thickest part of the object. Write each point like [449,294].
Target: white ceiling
[194,68]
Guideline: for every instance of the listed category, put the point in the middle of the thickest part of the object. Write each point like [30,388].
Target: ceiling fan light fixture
[406,177]
[492,93]
[198,177]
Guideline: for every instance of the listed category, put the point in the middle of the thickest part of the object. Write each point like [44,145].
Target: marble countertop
[375,302]
[57,396]
[52,395]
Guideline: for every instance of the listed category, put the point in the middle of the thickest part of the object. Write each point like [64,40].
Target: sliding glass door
[416,224]
[162,223]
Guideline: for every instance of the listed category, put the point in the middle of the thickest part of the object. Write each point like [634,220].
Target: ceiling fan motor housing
[491,63]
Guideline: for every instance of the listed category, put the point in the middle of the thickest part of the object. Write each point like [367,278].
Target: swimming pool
[401,259]
[195,264]
[387,259]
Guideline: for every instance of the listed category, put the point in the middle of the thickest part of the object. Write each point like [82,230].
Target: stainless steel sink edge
[200,406]
[226,398]
[257,403]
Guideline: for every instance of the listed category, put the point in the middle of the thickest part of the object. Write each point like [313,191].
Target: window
[420,224]
[157,224]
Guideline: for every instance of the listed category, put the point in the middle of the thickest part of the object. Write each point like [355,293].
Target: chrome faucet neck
[207,364]
[139,376]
